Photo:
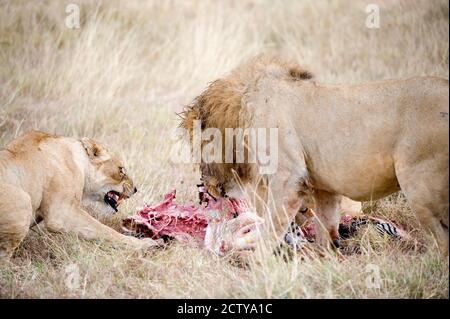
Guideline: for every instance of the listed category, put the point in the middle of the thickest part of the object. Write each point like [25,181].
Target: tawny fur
[363,141]
[221,106]
[46,177]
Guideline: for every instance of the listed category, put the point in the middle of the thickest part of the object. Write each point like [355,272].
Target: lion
[361,142]
[45,178]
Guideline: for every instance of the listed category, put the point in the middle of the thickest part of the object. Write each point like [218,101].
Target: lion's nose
[135,190]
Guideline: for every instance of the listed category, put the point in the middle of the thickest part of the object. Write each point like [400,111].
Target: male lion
[45,177]
[363,142]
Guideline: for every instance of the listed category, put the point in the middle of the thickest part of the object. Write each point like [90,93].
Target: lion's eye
[122,171]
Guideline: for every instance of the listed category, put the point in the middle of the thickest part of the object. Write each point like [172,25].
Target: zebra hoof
[336,243]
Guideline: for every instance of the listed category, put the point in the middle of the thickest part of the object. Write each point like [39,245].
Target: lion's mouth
[114,199]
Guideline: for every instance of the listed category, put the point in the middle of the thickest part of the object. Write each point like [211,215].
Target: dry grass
[121,77]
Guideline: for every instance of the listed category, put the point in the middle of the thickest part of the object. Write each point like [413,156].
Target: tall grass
[122,76]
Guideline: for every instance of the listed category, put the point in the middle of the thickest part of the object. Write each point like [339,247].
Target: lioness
[47,177]
[363,142]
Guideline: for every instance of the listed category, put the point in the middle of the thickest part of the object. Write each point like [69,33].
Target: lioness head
[107,181]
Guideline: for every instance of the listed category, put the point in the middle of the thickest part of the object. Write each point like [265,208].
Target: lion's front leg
[327,219]
[277,204]
[74,220]
[283,203]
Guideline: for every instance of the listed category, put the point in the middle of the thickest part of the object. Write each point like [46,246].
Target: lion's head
[223,105]
[107,181]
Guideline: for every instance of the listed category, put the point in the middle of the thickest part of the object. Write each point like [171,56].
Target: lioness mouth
[114,199]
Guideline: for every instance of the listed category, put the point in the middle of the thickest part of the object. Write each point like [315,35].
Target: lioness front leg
[69,219]
[327,219]
[15,218]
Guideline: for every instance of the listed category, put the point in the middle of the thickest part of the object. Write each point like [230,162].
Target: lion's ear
[95,151]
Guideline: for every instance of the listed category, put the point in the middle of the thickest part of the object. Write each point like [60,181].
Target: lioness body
[359,141]
[45,177]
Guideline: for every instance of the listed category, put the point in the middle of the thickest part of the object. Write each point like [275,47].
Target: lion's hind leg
[15,217]
[426,190]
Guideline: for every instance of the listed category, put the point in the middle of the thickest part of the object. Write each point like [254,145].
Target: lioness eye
[122,170]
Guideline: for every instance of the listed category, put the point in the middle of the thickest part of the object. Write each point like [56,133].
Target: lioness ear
[95,151]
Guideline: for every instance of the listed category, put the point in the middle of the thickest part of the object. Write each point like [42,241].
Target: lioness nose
[135,190]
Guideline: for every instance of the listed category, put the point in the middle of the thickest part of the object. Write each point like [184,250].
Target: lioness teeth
[114,199]
[113,196]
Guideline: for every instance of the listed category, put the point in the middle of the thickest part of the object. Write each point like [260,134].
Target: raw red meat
[169,220]
[230,222]
[185,223]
